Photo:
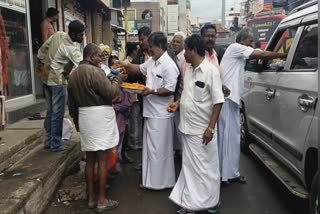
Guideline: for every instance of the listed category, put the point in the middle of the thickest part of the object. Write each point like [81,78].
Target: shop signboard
[142,23]
[279,3]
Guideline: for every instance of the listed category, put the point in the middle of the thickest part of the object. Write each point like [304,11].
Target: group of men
[194,94]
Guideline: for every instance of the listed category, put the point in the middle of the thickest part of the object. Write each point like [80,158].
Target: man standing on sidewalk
[198,185]
[158,170]
[57,56]
[232,69]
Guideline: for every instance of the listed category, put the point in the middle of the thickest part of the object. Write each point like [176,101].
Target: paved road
[263,194]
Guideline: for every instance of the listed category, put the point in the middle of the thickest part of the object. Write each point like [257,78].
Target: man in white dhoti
[90,105]
[232,69]
[198,185]
[158,170]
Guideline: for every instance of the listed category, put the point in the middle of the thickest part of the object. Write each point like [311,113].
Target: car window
[306,56]
[282,43]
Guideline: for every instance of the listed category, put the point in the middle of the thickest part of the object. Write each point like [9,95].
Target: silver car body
[280,105]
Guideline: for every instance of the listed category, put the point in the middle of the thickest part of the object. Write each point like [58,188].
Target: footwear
[111,204]
[141,186]
[58,149]
[138,167]
[183,211]
[241,179]
[214,209]
[92,205]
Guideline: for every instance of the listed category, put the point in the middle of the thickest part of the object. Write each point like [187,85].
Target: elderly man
[158,162]
[90,105]
[178,50]
[229,121]
[57,56]
[198,185]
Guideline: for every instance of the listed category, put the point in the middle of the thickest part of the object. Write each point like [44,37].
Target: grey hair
[182,34]
[243,34]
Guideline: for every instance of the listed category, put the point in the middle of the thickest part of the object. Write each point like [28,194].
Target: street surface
[263,194]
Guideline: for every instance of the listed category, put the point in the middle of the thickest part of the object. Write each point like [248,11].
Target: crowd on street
[189,107]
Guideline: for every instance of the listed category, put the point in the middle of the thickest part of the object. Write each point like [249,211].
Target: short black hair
[76,27]
[206,27]
[130,47]
[90,50]
[146,31]
[51,12]
[111,59]
[196,42]
[158,39]
[243,34]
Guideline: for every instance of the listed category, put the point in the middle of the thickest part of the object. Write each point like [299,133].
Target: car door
[262,88]
[296,97]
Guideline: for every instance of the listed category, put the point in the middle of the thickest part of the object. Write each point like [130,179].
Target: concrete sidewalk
[30,174]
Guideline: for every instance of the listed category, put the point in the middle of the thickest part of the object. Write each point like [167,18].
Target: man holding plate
[158,170]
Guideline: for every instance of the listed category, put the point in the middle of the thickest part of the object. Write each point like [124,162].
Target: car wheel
[244,141]
[315,195]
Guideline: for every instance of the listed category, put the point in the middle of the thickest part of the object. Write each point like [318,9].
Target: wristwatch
[211,130]
[155,91]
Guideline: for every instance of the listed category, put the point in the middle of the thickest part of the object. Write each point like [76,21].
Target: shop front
[16,68]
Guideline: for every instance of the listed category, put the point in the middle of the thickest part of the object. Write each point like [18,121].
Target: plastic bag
[67,129]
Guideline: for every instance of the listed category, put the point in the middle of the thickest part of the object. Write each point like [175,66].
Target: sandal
[92,205]
[214,209]
[111,204]
[241,179]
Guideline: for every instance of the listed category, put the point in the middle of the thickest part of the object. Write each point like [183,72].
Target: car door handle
[305,102]
[270,93]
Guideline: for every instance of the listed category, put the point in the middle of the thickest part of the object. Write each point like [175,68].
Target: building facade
[21,38]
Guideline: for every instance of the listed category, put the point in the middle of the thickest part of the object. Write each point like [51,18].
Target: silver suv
[279,105]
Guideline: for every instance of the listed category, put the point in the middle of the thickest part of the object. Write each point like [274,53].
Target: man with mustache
[214,53]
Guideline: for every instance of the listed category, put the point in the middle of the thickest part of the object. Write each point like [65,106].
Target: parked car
[280,105]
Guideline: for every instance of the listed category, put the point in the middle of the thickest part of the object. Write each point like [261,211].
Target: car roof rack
[304,6]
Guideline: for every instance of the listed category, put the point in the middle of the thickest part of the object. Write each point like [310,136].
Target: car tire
[244,136]
[315,195]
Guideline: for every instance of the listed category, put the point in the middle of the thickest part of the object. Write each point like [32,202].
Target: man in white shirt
[198,185]
[158,170]
[232,69]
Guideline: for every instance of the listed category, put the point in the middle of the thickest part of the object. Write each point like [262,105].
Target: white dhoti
[198,185]
[98,128]
[158,170]
[229,140]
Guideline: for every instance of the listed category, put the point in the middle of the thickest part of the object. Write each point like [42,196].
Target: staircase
[29,174]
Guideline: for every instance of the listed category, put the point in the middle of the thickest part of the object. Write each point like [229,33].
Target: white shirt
[161,73]
[232,69]
[196,104]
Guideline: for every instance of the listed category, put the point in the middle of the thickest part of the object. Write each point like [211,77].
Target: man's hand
[147,91]
[123,76]
[226,91]
[173,107]
[117,100]
[207,137]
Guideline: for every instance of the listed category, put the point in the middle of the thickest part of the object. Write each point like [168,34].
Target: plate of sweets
[133,88]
